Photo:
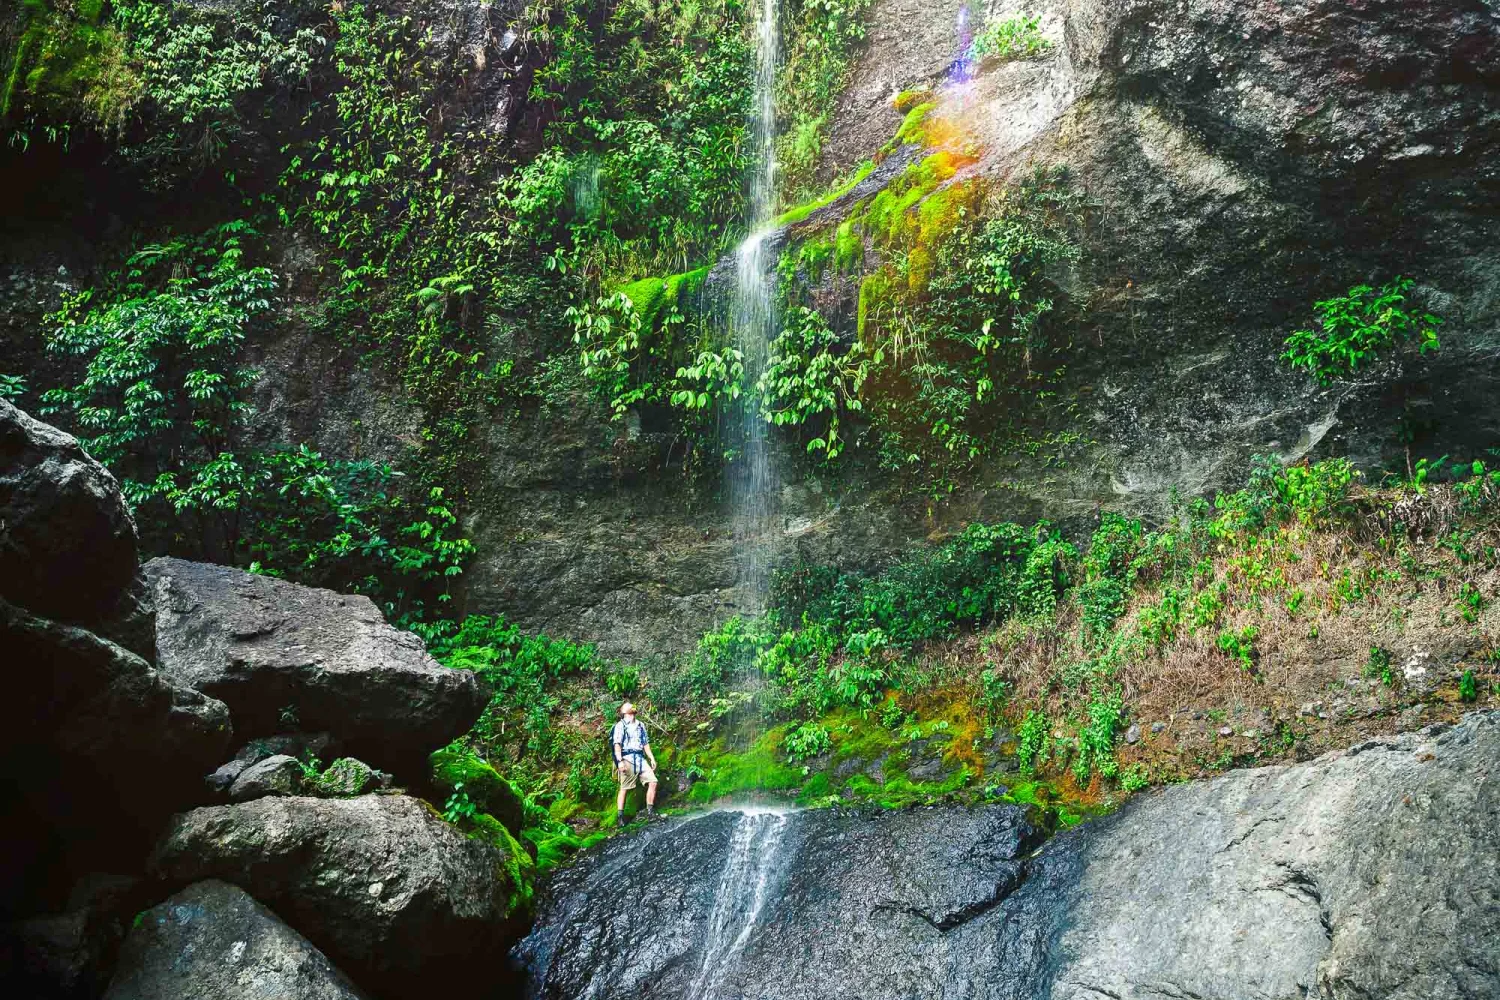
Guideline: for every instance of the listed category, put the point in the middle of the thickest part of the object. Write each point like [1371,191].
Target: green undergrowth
[1005,663]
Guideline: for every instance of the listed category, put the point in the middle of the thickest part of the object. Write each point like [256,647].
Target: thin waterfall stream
[756,839]
[754,317]
[739,897]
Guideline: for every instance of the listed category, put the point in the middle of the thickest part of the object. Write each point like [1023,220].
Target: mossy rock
[490,793]
[348,777]
[520,869]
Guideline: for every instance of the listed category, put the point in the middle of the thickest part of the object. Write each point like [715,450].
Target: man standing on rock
[634,760]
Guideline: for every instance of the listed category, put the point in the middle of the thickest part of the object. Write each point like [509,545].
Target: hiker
[634,760]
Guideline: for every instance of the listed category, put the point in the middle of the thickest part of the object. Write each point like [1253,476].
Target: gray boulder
[275,651]
[303,746]
[211,941]
[67,541]
[381,883]
[278,775]
[1365,875]
[99,748]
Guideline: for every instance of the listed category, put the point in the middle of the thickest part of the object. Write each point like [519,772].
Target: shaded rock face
[67,541]
[273,650]
[391,892]
[211,941]
[99,749]
[1367,874]
[70,953]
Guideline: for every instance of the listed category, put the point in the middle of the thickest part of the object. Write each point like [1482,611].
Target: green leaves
[1355,328]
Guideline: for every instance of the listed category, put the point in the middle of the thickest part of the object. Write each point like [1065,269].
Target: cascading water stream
[755,317]
[739,898]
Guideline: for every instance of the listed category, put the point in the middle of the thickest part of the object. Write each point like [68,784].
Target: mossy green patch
[456,765]
[796,214]
[519,869]
[654,296]
[759,768]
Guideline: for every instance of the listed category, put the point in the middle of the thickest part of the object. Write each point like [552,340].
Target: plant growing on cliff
[163,379]
[1355,328]
[1018,37]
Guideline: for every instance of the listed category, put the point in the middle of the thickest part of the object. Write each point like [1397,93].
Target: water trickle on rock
[740,897]
[754,317]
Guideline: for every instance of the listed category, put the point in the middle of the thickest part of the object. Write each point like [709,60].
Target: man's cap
[629,706]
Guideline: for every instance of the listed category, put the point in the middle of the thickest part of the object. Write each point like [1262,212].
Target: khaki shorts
[634,769]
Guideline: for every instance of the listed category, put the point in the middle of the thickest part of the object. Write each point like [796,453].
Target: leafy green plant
[1468,687]
[1096,741]
[459,808]
[1354,328]
[808,740]
[1033,739]
[12,386]
[1134,778]
[1240,644]
[1378,665]
[161,391]
[1470,602]
[1018,37]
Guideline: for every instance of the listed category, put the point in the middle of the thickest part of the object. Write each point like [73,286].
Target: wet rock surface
[211,941]
[273,650]
[380,883]
[1367,874]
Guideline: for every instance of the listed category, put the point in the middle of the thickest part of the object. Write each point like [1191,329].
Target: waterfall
[754,318]
[739,898]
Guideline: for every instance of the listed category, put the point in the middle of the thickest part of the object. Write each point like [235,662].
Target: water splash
[740,896]
[755,320]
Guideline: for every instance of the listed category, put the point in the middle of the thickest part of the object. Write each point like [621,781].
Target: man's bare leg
[651,795]
[620,802]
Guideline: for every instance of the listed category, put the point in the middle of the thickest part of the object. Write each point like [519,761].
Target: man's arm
[646,746]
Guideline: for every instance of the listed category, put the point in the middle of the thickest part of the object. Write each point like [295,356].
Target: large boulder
[99,748]
[212,941]
[381,883]
[67,541]
[279,654]
[69,953]
[1365,875]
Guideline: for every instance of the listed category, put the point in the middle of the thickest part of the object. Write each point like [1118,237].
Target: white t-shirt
[631,736]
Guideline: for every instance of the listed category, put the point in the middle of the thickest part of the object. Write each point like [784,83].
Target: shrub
[807,740]
[1032,741]
[1468,687]
[1354,328]
[1018,37]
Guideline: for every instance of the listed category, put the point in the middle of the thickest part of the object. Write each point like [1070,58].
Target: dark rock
[380,883]
[212,941]
[67,541]
[224,777]
[306,747]
[278,775]
[1133,734]
[270,649]
[100,748]
[1158,728]
[1366,875]
[69,954]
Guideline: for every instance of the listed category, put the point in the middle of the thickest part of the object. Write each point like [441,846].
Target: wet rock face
[271,649]
[67,541]
[1367,874]
[211,941]
[391,892]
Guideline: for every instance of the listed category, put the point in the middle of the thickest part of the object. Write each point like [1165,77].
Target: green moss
[849,248]
[652,297]
[760,768]
[819,787]
[794,215]
[65,64]
[489,792]
[908,99]
[911,129]
[519,870]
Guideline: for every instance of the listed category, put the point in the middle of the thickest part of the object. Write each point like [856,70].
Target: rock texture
[67,541]
[1365,875]
[99,748]
[273,650]
[391,892]
[211,941]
